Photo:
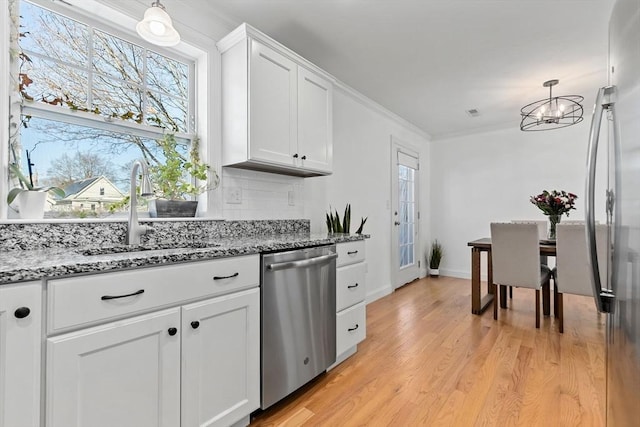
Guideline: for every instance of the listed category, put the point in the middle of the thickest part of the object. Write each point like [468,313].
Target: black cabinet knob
[304,157]
[295,156]
[22,312]
[172,331]
[195,324]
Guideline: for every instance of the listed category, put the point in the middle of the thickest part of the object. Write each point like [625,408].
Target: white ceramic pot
[434,272]
[31,204]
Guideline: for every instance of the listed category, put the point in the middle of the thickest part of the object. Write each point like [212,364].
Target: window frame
[122,26]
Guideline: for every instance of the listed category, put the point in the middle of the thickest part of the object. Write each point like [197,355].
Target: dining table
[480,302]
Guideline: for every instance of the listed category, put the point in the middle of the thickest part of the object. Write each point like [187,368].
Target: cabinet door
[221,359]
[20,349]
[272,106]
[315,118]
[124,373]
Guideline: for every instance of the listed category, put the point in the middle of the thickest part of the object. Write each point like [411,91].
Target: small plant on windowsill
[178,179]
[435,257]
[30,199]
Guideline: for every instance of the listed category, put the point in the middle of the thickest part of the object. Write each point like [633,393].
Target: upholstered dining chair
[572,271]
[542,226]
[515,254]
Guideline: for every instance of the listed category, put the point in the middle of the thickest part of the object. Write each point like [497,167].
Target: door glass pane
[406,217]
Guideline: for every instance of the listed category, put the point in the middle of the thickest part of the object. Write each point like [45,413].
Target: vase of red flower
[554,204]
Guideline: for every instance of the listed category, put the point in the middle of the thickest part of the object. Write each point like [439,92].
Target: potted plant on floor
[179,179]
[30,200]
[435,256]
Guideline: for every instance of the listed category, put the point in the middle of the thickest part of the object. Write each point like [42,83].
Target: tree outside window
[91,102]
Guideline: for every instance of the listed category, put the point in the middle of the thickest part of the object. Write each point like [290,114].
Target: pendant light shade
[156,26]
[554,112]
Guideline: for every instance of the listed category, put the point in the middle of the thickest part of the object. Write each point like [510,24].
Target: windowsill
[141,217]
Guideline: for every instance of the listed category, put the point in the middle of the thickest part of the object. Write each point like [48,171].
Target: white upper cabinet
[276,107]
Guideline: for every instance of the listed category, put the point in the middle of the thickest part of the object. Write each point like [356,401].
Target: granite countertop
[26,265]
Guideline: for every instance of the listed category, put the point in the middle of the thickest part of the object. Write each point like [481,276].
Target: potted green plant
[334,225]
[179,179]
[435,256]
[30,200]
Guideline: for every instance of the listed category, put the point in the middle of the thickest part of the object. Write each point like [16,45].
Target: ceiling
[429,61]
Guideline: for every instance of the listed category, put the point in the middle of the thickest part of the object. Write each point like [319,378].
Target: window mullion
[89,119]
[90,70]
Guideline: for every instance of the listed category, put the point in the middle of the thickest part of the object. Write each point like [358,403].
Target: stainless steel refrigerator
[616,124]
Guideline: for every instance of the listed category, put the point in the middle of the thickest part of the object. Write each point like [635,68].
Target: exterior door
[405,216]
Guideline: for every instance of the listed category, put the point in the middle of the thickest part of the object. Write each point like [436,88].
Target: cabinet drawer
[350,252]
[351,327]
[81,300]
[350,285]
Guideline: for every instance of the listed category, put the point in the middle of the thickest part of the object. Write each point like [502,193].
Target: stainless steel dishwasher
[298,328]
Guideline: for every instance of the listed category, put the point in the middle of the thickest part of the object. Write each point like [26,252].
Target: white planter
[435,272]
[31,204]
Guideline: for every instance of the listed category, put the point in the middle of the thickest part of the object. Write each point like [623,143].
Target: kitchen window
[91,99]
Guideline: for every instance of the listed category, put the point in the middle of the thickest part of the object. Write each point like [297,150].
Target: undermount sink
[144,248]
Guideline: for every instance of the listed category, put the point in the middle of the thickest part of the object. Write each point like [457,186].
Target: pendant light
[552,113]
[156,26]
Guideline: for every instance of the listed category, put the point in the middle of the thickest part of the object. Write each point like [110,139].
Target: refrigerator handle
[602,297]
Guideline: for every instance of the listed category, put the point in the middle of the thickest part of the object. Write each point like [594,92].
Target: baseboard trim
[378,293]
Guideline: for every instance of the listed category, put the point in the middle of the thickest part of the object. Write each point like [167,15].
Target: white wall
[361,177]
[488,177]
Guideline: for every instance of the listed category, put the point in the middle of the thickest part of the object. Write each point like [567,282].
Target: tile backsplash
[250,194]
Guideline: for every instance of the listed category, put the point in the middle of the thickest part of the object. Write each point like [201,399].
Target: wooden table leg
[475,281]
[478,302]
[546,296]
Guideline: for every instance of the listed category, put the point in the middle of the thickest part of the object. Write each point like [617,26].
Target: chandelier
[554,112]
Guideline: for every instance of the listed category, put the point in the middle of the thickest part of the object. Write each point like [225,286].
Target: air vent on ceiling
[473,112]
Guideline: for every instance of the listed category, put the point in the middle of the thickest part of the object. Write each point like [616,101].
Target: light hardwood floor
[427,361]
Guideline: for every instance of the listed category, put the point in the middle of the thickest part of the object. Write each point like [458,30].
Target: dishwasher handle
[301,263]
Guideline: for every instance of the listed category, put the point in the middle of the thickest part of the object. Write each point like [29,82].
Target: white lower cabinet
[121,374]
[221,359]
[20,354]
[194,363]
[351,315]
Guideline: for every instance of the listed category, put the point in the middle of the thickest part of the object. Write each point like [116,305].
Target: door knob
[195,324]
[172,331]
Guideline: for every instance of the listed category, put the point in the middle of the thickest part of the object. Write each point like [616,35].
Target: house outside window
[92,100]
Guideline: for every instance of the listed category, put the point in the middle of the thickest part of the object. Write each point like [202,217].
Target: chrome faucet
[134,228]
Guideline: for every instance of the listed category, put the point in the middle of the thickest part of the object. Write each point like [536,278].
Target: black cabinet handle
[304,157]
[226,277]
[172,331]
[352,252]
[107,297]
[195,324]
[353,329]
[295,156]
[352,286]
[22,312]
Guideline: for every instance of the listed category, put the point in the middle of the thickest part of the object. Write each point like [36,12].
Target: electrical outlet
[233,195]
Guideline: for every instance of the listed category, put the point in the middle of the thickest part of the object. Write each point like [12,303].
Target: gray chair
[515,254]
[572,274]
